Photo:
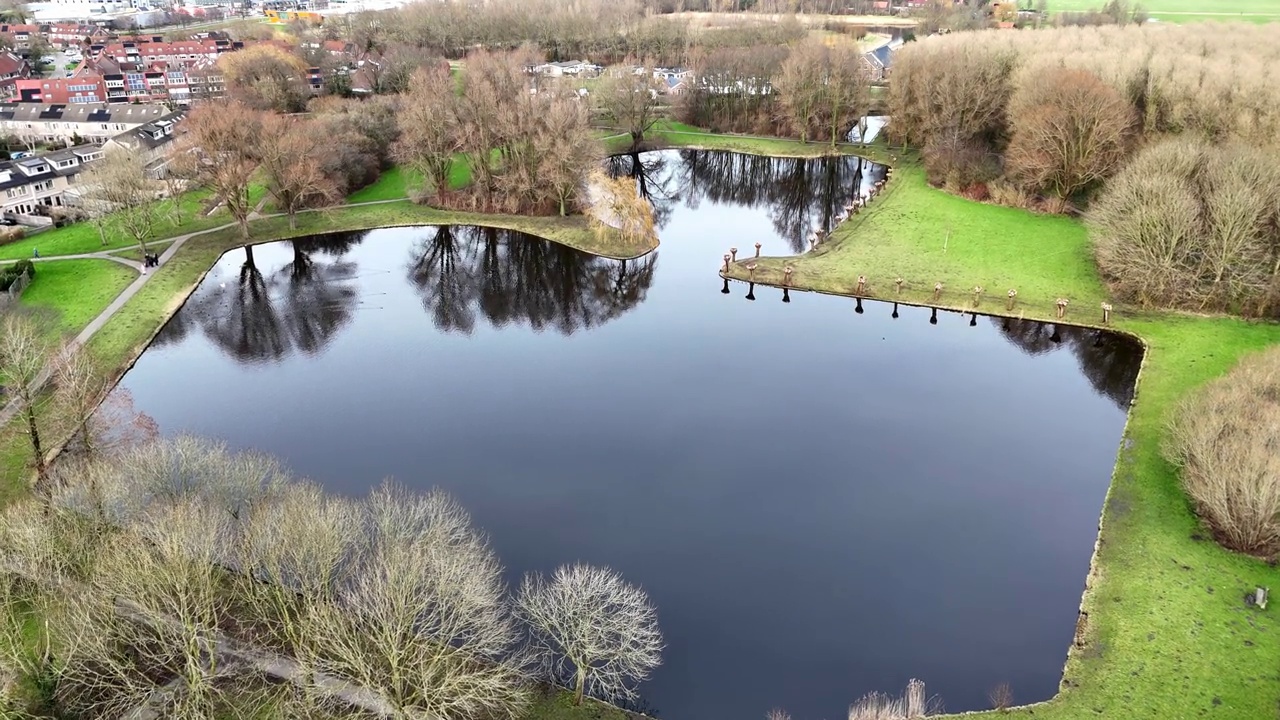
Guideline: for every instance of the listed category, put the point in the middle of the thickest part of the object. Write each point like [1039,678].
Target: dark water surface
[821,503]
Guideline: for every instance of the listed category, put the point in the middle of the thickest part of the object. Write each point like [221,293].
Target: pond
[820,501]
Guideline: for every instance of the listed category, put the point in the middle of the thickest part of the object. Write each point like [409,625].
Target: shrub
[11,233]
[1195,226]
[1225,439]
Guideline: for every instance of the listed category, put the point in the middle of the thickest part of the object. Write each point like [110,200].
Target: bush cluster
[9,274]
[1226,441]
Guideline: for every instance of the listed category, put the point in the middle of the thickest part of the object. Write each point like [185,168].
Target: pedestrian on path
[36,250]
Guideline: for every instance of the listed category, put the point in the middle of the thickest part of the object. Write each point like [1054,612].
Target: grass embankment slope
[73,292]
[1167,632]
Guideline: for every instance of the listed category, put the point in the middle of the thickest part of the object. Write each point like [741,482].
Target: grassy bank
[1166,632]
[676,134]
[89,285]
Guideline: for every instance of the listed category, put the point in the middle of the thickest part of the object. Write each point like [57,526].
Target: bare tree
[629,95]
[118,186]
[294,554]
[619,207]
[292,159]
[591,624]
[179,174]
[1223,441]
[226,138]
[266,77]
[423,619]
[25,352]
[430,136]
[1070,131]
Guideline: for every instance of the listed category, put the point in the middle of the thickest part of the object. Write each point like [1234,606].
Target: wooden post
[977,295]
[751,271]
[786,275]
[1106,313]
[1013,295]
[1062,307]
[937,291]
[726,263]
[862,284]
[733,253]
[757,249]
[898,282]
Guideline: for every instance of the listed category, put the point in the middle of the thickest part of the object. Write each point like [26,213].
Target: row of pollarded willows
[188,559]
[1055,112]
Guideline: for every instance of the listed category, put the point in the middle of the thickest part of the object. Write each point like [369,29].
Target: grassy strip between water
[1166,632]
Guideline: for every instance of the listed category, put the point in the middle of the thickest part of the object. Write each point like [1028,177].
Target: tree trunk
[293,220]
[580,686]
[102,233]
[34,431]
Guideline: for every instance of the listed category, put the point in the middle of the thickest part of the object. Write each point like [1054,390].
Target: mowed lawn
[398,181]
[1187,10]
[83,237]
[73,292]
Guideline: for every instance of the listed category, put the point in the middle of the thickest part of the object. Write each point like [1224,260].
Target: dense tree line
[176,577]
[1082,99]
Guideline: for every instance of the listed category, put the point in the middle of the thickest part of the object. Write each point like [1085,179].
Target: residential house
[21,34]
[877,62]
[674,80]
[149,141]
[73,123]
[61,90]
[12,69]
[146,51]
[30,183]
[578,68]
[72,34]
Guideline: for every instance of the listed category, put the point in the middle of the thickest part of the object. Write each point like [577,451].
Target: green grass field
[397,182]
[1187,10]
[83,237]
[73,292]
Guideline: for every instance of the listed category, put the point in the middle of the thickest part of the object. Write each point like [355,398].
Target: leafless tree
[291,156]
[1001,697]
[629,95]
[225,136]
[81,386]
[1070,131]
[423,619]
[1223,441]
[119,186]
[25,353]
[822,90]
[266,77]
[430,133]
[589,623]
[294,554]
[179,174]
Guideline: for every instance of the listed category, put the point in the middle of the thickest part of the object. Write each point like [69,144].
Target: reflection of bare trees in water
[654,180]
[801,194]
[508,277]
[299,306]
[1110,361]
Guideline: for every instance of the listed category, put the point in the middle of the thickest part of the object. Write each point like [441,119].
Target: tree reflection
[506,277]
[800,194]
[654,181]
[300,306]
[1110,361]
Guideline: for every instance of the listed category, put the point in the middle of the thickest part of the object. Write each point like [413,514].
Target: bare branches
[266,77]
[429,127]
[225,136]
[119,185]
[628,95]
[822,90]
[1224,439]
[591,624]
[423,620]
[1070,131]
[292,157]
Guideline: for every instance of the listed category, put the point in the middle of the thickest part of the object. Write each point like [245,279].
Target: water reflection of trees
[259,316]
[503,276]
[1110,361]
[800,194]
[654,180]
